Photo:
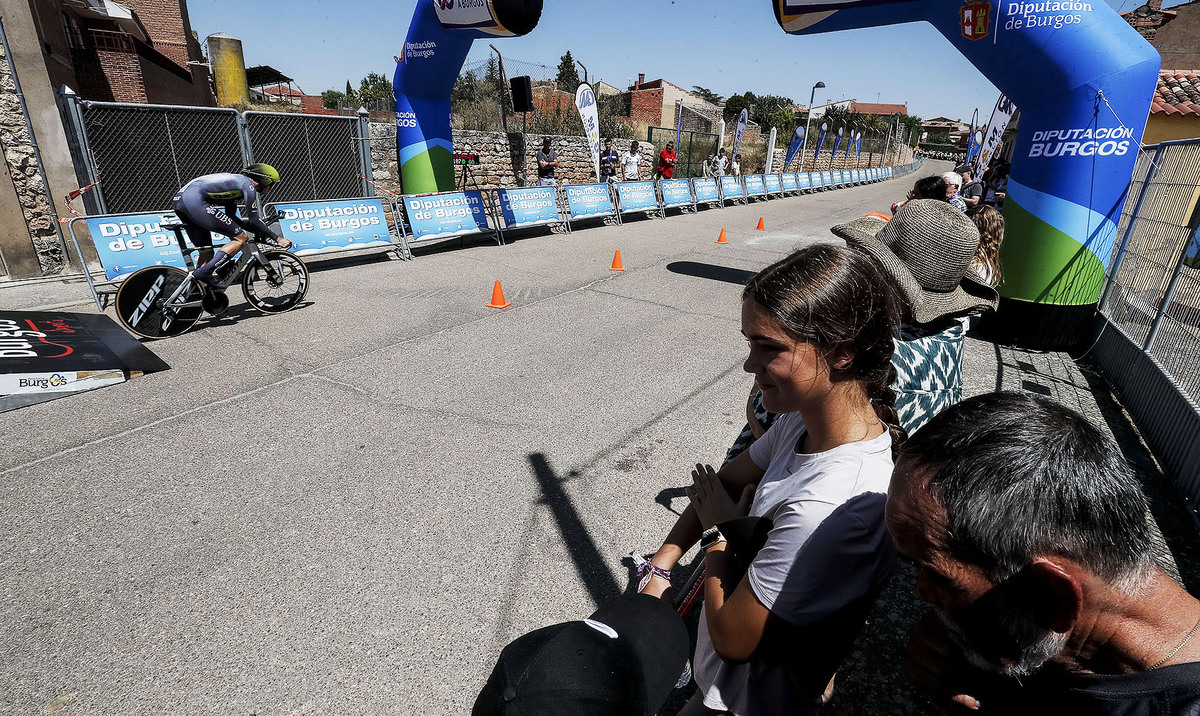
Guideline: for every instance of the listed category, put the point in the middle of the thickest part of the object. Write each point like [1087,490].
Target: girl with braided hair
[819,327]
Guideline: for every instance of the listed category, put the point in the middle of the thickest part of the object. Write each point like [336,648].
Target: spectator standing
[972,190]
[1032,541]
[735,166]
[631,163]
[930,187]
[708,166]
[954,182]
[990,223]
[666,161]
[719,164]
[547,159]
[610,161]
[995,186]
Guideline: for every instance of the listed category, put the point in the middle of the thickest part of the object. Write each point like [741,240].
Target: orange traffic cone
[721,239]
[498,297]
[760,226]
[617,266]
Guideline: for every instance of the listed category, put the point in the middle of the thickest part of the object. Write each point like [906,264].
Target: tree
[332,99]
[349,93]
[707,95]
[374,88]
[736,103]
[568,77]
[774,111]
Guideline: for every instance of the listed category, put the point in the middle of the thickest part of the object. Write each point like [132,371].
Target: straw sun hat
[927,248]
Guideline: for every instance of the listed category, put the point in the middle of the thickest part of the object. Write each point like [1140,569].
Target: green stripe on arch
[1044,265]
[429,171]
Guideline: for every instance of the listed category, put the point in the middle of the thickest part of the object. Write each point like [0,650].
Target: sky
[323,43]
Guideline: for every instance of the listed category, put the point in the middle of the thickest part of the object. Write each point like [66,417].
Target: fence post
[364,151]
[85,164]
[1169,296]
[243,126]
[1133,216]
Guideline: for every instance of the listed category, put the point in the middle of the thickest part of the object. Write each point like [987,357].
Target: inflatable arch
[435,48]
[1081,76]
[1083,80]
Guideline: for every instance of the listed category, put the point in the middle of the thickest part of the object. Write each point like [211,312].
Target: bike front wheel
[159,301]
[279,285]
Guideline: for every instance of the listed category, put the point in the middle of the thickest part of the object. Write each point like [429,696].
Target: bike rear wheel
[141,302]
[277,287]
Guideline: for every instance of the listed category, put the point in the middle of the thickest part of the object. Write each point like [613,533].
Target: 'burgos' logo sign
[54,381]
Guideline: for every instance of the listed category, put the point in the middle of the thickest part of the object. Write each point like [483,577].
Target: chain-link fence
[142,154]
[1154,290]
[693,149]
[320,157]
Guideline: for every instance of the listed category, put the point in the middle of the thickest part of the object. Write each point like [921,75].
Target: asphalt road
[351,507]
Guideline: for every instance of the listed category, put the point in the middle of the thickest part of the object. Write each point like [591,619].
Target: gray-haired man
[1030,536]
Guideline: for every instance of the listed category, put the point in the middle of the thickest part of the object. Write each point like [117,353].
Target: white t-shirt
[826,556]
[630,161]
[719,166]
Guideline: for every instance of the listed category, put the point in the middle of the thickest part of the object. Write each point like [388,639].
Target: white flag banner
[991,141]
[737,133]
[585,102]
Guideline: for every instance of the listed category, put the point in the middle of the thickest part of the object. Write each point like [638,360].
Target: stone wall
[21,169]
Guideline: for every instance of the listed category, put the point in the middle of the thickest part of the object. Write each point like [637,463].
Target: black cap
[623,660]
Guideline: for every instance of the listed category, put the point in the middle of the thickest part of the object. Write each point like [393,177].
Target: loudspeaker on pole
[522,93]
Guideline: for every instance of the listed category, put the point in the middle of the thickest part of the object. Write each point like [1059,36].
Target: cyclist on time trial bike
[209,203]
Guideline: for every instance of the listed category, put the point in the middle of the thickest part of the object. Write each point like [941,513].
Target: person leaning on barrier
[609,161]
[209,204]
[1032,543]
[631,163]
[666,162]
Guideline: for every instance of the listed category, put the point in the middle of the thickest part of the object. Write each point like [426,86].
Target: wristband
[647,571]
[710,537]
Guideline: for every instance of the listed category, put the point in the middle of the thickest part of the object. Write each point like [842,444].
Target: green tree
[332,99]
[774,111]
[349,93]
[374,88]
[707,95]
[736,103]
[568,77]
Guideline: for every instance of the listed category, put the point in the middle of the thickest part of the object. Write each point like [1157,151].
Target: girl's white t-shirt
[630,161]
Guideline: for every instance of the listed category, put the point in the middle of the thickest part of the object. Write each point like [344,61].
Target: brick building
[656,103]
[1173,32]
[142,51]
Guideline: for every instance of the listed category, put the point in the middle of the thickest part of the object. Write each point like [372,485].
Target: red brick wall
[647,106]
[312,105]
[164,22]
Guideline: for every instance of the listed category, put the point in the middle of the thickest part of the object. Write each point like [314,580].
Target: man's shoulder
[1171,691]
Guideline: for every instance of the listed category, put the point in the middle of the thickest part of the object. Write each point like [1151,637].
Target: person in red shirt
[666,161]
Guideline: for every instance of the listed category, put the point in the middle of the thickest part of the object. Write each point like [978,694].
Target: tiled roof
[875,108]
[1178,92]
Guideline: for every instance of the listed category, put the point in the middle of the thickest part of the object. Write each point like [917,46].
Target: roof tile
[1178,92]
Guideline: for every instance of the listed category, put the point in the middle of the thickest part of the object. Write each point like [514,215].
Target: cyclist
[209,203]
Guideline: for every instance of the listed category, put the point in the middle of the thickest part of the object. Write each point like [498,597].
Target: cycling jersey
[209,203]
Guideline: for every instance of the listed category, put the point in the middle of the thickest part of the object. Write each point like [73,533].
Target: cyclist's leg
[213,218]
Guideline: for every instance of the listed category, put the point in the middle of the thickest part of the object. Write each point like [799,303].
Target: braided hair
[832,296]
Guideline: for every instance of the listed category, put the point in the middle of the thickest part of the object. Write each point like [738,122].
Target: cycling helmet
[264,174]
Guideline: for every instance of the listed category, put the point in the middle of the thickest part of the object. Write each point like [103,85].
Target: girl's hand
[713,504]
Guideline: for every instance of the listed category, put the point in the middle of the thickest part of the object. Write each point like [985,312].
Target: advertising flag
[971,137]
[849,145]
[837,144]
[585,102]
[737,133]
[858,147]
[817,151]
[679,130]
[1001,115]
[795,146]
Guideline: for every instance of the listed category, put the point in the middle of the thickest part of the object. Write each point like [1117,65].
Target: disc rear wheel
[142,302]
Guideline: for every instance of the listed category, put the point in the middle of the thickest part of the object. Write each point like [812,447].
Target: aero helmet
[264,174]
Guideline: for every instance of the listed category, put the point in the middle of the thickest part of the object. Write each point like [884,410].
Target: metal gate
[141,153]
[693,149]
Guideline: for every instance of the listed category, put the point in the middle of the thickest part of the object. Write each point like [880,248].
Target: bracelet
[710,537]
[647,571]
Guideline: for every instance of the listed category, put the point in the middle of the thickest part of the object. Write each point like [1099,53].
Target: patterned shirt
[928,362]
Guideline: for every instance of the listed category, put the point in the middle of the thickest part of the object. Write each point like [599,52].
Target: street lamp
[808,120]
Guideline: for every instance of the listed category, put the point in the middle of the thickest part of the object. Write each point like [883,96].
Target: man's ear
[1059,598]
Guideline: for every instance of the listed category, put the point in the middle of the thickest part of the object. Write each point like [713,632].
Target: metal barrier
[141,154]
[1148,327]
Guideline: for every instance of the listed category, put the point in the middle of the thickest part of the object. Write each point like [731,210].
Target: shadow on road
[712,271]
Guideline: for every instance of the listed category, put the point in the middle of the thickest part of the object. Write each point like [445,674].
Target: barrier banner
[706,190]
[589,200]
[318,226]
[128,242]
[731,188]
[817,179]
[1001,114]
[585,102]
[773,184]
[840,176]
[827,178]
[49,355]
[789,182]
[438,216]
[528,206]
[637,196]
[804,180]
[676,192]
[754,185]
